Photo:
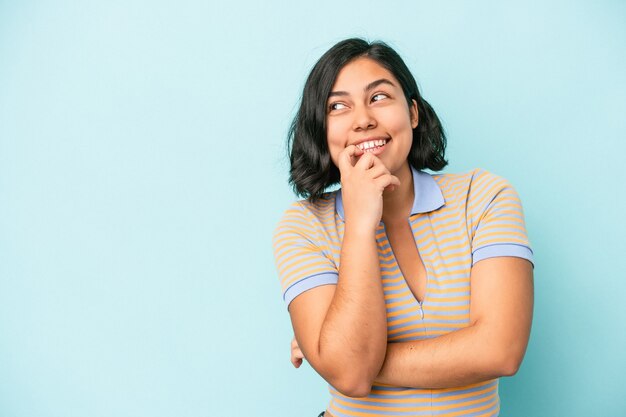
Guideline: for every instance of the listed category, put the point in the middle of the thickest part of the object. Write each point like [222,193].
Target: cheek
[334,131]
[401,122]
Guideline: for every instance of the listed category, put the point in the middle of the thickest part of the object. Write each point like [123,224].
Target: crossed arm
[342,329]
[492,345]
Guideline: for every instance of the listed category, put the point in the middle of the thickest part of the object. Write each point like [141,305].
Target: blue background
[143,169]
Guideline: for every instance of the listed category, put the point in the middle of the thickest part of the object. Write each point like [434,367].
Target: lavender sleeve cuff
[503,249]
[326,278]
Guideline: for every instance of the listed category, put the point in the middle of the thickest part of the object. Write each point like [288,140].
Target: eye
[379,96]
[336,106]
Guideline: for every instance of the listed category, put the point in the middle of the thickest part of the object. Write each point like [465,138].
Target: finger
[377,161]
[296,357]
[296,363]
[295,349]
[357,154]
[297,353]
[377,170]
[348,156]
[366,162]
[385,181]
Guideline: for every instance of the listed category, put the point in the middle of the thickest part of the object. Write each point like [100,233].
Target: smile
[372,145]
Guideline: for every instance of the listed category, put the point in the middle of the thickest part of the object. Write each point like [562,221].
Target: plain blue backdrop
[143,169]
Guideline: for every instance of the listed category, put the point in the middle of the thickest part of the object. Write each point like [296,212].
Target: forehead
[358,73]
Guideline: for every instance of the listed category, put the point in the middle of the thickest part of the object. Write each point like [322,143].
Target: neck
[397,204]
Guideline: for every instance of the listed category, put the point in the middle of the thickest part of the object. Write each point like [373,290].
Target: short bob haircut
[312,171]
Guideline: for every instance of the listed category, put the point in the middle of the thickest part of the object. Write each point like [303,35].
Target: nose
[363,119]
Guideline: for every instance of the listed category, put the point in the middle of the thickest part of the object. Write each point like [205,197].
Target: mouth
[374,145]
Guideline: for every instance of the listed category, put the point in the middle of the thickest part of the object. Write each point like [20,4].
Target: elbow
[505,354]
[353,387]
[349,373]
[510,366]
[351,382]
[353,377]
[509,363]
[355,383]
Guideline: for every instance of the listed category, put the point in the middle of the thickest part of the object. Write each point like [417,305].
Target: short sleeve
[497,219]
[301,259]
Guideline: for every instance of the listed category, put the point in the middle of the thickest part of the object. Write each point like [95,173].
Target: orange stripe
[435,290]
[400,312]
[420,335]
[399,303]
[423,325]
[434,393]
[447,308]
[391,408]
[293,254]
[470,386]
[297,275]
[446,317]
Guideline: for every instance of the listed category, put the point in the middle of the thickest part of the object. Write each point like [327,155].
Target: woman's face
[367,108]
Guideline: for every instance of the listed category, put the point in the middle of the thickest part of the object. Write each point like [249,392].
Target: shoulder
[306,215]
[320,209]
[473,185]
[476,176]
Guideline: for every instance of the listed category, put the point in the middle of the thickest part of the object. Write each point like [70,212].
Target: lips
[372,144]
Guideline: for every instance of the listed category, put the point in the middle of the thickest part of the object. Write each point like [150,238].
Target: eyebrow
[368,87]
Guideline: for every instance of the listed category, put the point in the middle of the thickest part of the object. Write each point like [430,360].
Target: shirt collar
[428,196]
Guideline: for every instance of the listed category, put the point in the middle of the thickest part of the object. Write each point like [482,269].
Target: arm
[342,329]
[494,343]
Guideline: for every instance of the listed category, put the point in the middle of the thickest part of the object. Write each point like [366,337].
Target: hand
[296,354]
[363,181]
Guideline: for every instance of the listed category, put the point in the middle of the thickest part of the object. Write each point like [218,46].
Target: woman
[409,293]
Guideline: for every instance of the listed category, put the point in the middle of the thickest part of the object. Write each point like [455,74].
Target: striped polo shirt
[457,220]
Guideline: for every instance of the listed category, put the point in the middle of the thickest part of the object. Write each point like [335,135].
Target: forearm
[493,344]
[353,337]
[458,358]
[342,331]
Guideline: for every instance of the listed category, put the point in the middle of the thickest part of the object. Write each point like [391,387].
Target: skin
[341,330]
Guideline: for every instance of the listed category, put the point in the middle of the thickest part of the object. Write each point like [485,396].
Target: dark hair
[312,170]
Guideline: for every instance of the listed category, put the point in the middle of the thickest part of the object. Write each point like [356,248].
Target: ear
[414,114]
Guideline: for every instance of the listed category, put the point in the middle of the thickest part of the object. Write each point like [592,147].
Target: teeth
[371,144]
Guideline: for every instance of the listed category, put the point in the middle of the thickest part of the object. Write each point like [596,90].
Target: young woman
[409,293]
